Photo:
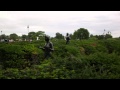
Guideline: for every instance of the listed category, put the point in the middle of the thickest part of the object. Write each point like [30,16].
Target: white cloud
[59,21]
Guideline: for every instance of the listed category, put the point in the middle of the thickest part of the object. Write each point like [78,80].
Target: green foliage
[85,59]
[111,45]
[24,37]
[89,49]
[101,48]
[10,52]
[14,36]
[71,50]
[59,36]
[81,33]
[101,37]
[108,36]
[10,73]
[17,56]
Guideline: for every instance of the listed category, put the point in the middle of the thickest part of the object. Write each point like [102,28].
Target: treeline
[79,34]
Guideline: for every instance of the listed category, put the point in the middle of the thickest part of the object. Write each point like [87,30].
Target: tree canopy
[81,33]
[59,36]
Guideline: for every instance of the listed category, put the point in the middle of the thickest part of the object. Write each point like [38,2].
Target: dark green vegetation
[80,59]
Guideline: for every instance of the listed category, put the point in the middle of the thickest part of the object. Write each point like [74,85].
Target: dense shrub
[18,56]
[89,49]
[80,59]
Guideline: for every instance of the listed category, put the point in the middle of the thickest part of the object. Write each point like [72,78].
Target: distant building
[2,40]
[37,38]
[11,40]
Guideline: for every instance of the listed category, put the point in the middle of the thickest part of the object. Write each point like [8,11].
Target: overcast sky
[63,22]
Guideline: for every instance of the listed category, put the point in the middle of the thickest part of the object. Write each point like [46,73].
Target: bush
[17,56]
[89,49]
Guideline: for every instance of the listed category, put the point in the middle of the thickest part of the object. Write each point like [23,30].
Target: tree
[108,36]
[59,36]
[32,35]
[14,36]
[103,36]
[40,34]
[94,37]
[7,36]
[24,37]
[75,36]
[71,36]
[91,35]
[100,37]
[3,36]
[81,33]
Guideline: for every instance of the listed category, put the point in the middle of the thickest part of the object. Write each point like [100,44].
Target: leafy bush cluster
[86,59]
